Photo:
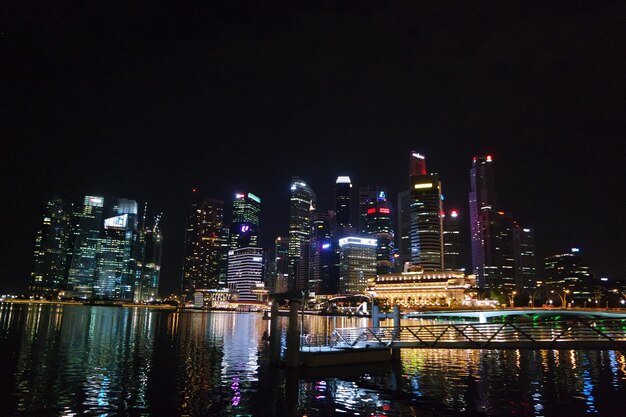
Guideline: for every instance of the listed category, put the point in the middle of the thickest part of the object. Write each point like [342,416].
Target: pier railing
[569,334]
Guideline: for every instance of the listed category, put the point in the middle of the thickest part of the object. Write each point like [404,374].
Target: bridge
[568,334]
[484,316]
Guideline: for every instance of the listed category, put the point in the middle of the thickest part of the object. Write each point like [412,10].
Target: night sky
[146,100]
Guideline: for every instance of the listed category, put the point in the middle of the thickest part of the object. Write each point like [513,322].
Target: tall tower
[148,262]
[420,220]
[205,247]
[369,196]
[452,240]
[321,256]
[482,205]
[245,271]
[244,229]
[525,261]
[88,223]
[358,264]
[343,191]
[281,268]
[302,200]
[50,250]
[378,223]
[570,271]
[115,274]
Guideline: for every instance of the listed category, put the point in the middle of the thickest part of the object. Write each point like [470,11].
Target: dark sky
[145,100]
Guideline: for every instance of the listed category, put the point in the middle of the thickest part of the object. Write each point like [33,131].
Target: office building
[569,272]
[322,257]
[302,201]
[452,241]
[281,266]
[115,274]
[205,251]
[88,222]
[525,260]
[378,224]
[343,193]
[148,269]
[244,228]
[482,206]
[357,264]
[51,244]
[245,272]
[420,222]
[369,196]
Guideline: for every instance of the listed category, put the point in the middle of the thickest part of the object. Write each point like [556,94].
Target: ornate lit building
[416,288]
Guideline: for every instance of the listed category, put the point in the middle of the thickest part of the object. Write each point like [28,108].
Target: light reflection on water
[106,361]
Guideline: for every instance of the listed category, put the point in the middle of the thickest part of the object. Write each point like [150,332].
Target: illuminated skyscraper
[452,241]
[88,223]
[571,272]
[244,228]
[115,276]
[281,268]
[148,251]
[205,246]
[51,242]
[245,271]
[525,261]
[321,259]
[378,223]
[357,265]
[369,196]
[343,192]
[420,221]
[302,201]
[482,205]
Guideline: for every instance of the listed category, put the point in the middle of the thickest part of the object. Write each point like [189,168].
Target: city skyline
[227,101]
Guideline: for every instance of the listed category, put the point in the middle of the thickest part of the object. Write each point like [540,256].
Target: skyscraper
[358,264]
[525,261]
[114,275]
[244,228]
[369,196]
[322,256]
[420,221]
[452,241]
[51,242]
[482,205]
[148,269]
[343,192]
[378,223]
[86,242]
[281,259]
[245,271]
[205,247]
[302,201]
[570,272]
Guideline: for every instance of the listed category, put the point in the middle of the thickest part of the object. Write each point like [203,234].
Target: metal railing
[579,333]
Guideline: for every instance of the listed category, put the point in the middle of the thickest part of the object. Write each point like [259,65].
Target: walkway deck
[569,334]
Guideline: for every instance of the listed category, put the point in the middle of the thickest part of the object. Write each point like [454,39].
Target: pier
[537,329]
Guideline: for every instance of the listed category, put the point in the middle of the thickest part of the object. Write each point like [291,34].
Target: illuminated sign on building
[454,213]
[239,196]
[253,197]
[384,210]
[371,210]
[245,228]
[357,241]
[326,246]
[382,196]
[117,222]
[423,185]
[95,201]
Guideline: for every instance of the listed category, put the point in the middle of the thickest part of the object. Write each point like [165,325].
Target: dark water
[106,361]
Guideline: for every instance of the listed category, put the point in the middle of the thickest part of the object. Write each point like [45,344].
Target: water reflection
[75,360]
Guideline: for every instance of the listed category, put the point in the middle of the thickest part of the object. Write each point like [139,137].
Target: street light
[512,299]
